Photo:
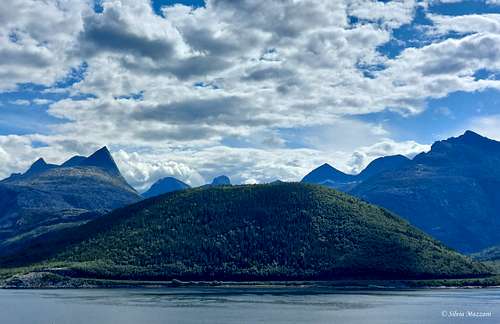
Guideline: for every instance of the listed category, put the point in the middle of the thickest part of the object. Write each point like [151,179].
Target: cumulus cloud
[364,155]
[197,92]
[36,38]
[391,14]
[486,125]
[486,23]
[142,170]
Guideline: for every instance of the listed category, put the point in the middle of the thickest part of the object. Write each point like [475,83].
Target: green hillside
[260,232]
[489,254]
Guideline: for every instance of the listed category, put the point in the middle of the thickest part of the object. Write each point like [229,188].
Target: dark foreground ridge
[261,232]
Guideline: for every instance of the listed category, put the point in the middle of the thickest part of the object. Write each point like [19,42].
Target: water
[234,305]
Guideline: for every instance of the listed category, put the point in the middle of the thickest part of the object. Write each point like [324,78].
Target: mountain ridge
[281,231]
[449,192]
[48,197]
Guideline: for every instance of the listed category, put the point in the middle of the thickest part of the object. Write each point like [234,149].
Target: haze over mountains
[451,192]
[59,213]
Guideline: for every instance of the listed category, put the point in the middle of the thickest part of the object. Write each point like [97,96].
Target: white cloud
[488,126]
[142,170]
[392,14]
[20,102]
[256,96]
[364,155]
[36,39]
[485,23]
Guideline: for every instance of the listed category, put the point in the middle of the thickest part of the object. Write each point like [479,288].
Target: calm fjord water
[234,305]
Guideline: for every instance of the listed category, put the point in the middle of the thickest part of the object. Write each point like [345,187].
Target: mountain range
[49,197]
[281,231]
[450,192]
[171,184]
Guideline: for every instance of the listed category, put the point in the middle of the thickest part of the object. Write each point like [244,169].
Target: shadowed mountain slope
[451,192]
[279,231]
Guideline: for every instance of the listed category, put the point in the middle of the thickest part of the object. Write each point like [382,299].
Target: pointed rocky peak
[468,138]
[221,181]
[471,134]
[102,158]
[472,138]
[165,185]
[326,173]
[465,149]
[40,163]
[38,166]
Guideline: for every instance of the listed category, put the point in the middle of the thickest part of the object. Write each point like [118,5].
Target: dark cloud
[203,40]
[182,69]
[268,73]
[99,36]
[229,111]
[24,58]
[178,133]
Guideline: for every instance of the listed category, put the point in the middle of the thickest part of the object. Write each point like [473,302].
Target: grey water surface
[248,305]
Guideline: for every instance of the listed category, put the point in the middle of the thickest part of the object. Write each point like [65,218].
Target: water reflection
[249,305]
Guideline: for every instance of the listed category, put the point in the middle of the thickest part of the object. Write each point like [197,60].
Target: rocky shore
[46,279]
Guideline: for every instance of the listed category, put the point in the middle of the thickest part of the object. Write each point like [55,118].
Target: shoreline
[50,280]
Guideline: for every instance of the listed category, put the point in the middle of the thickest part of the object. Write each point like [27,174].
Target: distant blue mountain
[451,192]
[384,164]
[327,175]
[165,185]
[221,181]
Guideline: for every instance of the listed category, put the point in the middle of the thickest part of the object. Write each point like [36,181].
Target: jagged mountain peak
[40,161]
[38,166]
[102,158]
[472,138]
[456,150]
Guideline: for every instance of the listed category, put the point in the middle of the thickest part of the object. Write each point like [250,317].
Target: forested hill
[259,232]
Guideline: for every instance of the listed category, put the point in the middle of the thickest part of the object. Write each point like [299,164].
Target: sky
[253,89]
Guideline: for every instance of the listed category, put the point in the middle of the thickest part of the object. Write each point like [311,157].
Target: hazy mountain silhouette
[165,185]
[221,181]
[451,192]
